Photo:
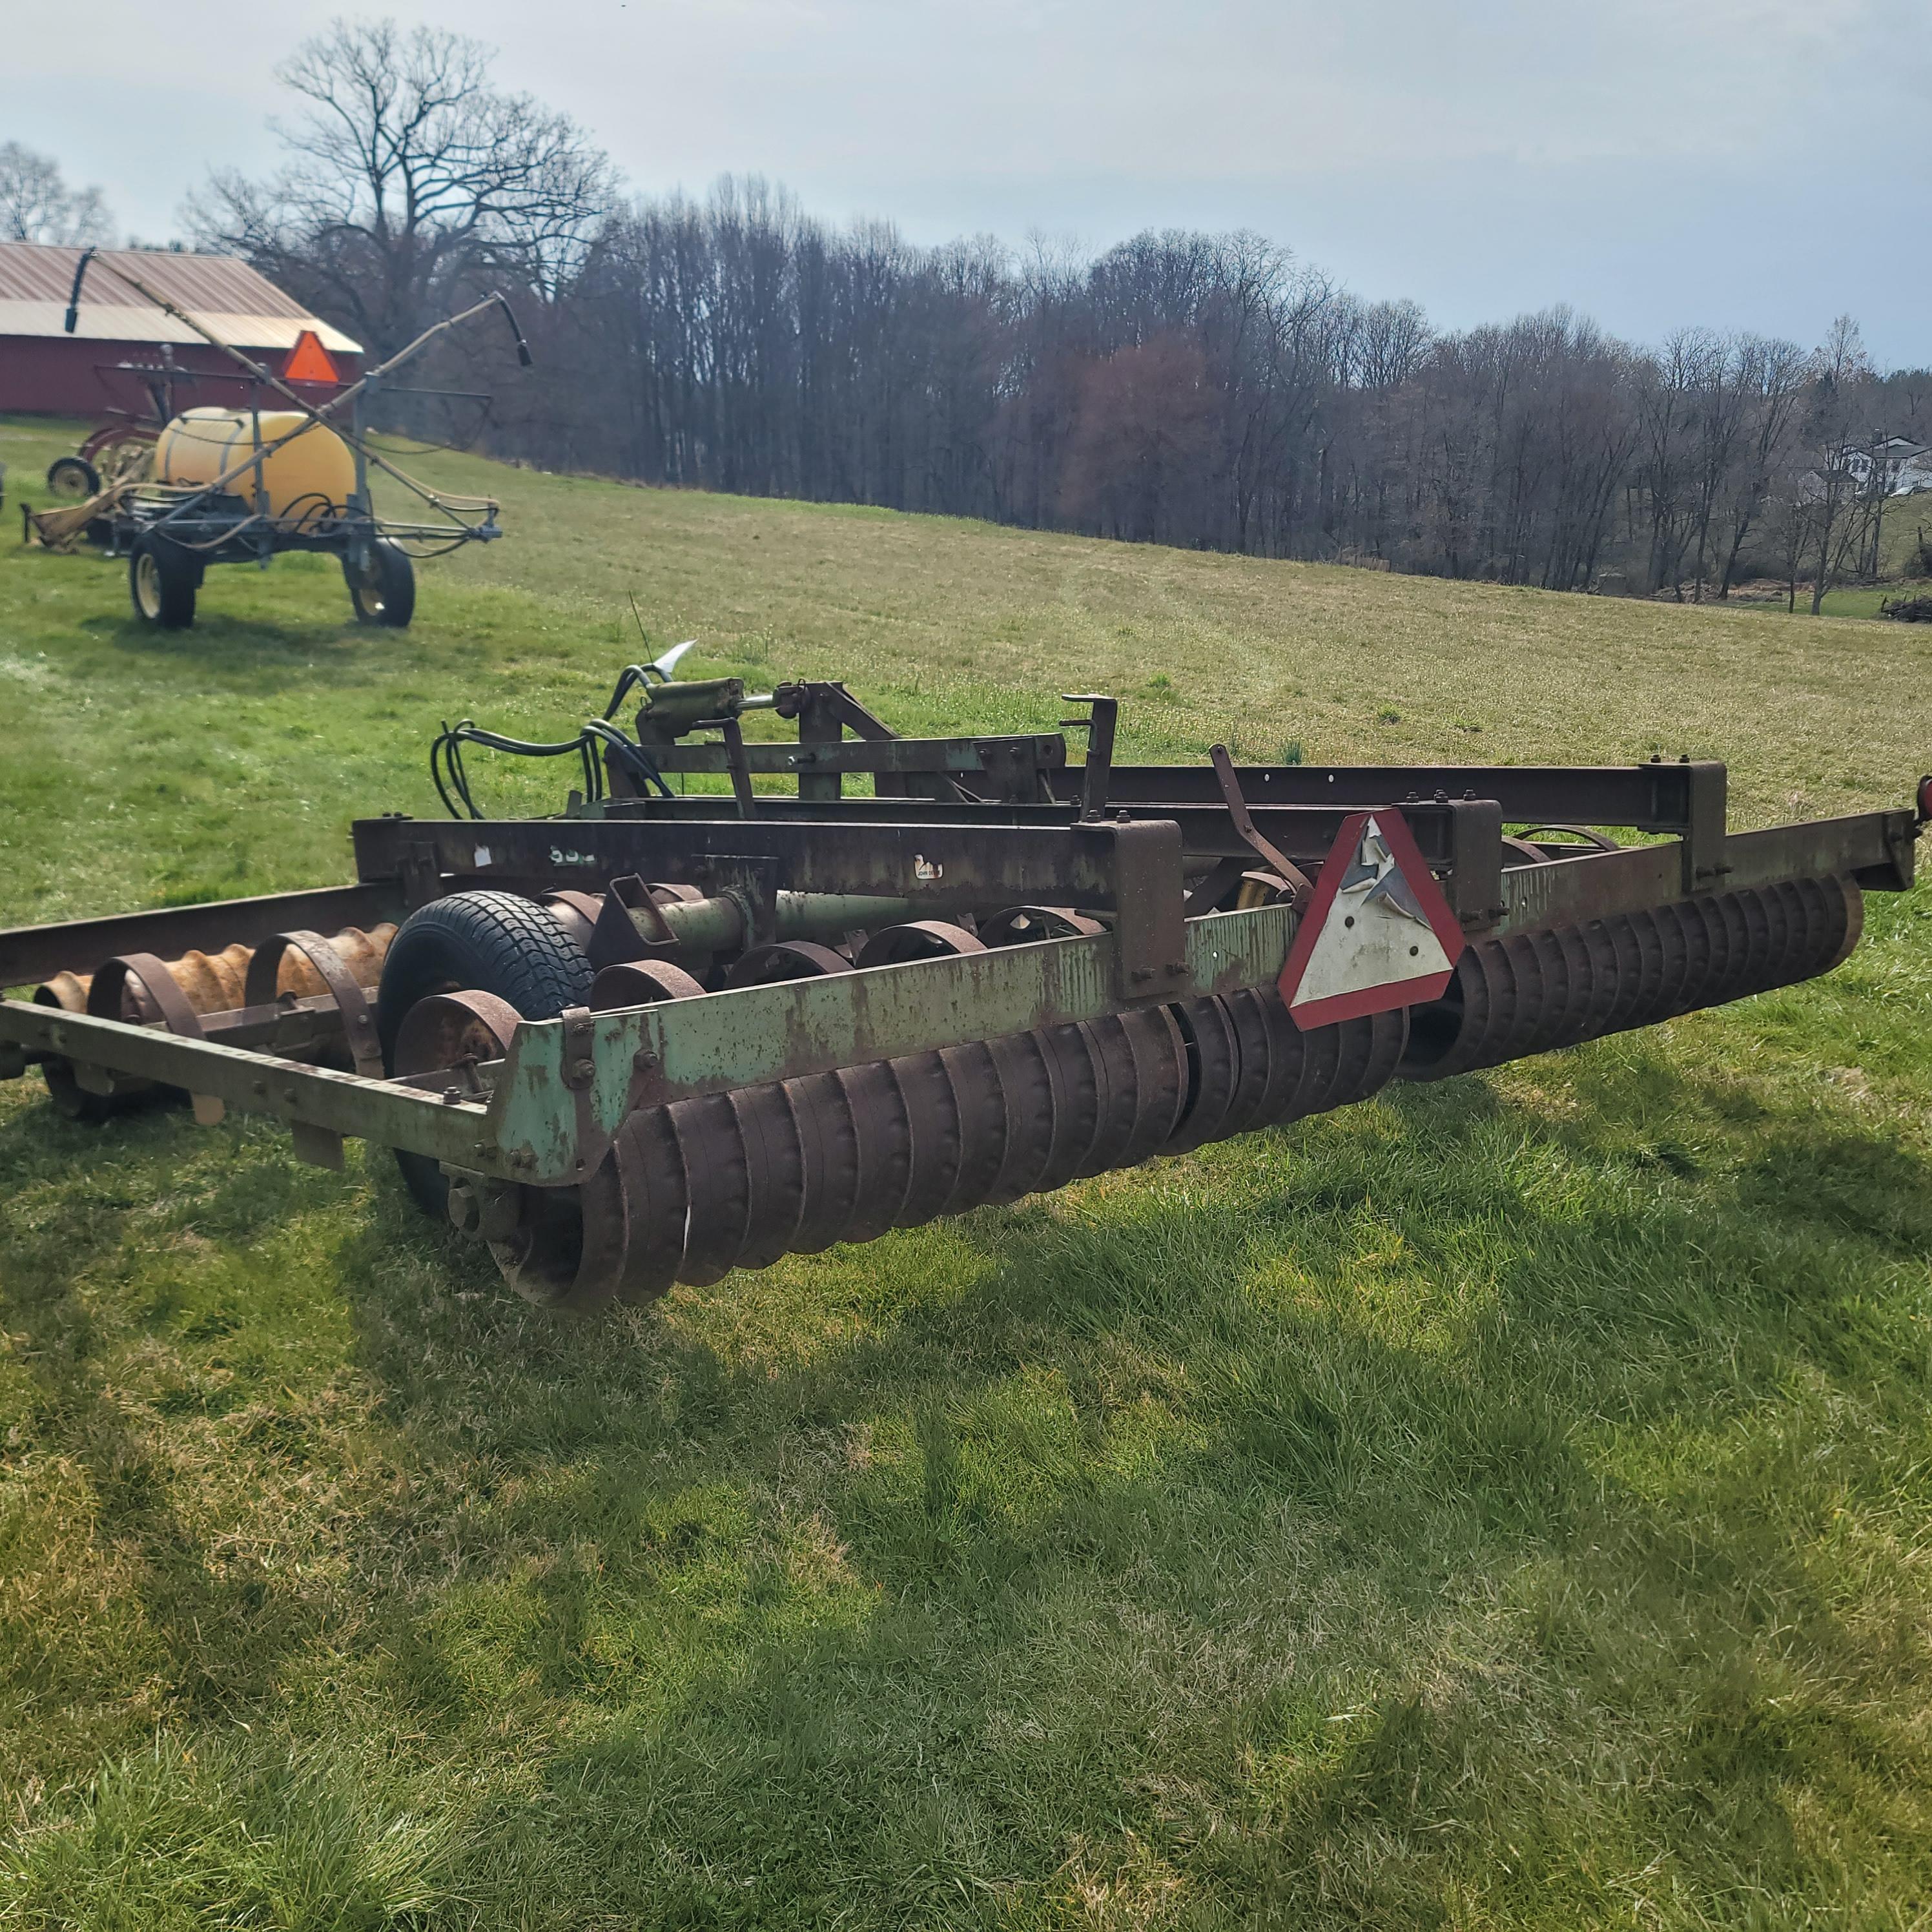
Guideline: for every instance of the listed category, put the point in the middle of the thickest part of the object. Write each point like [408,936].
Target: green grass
[1500,1504]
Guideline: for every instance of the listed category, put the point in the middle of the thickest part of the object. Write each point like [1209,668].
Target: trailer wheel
[72,479]
[485,942]
[386,593]
[162,580]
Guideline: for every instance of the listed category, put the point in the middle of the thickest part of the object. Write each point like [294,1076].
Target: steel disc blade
[827,1129]
[775,1156]
[650,1166]
[1212,1050]
[980,1096]
[934,1122]
[717,1173]
[885,1148]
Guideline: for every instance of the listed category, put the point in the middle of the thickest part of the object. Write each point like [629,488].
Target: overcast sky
[1744,163]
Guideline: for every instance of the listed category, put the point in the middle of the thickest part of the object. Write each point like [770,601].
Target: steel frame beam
[31,953]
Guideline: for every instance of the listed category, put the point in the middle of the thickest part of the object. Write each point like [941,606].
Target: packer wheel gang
[665,1035]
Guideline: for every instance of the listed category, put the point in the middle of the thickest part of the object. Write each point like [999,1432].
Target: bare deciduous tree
[409,171]
[37,204]
[1831,426]
[1206,390]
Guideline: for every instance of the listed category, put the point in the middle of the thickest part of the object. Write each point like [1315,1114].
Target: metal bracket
[1704,832]
[1299,887]
[319,1146]
[735,759]
[421,875]
[1096,774]
[614,939]
[1473,886]
[1150,926]
[580,1061]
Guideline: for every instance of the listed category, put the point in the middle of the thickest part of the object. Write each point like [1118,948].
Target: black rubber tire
[162,580]
[486,942]
[387,596]
[72,479]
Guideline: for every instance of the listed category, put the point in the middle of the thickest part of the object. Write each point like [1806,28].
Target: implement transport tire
[386,592]
[482,942]
[72,479]
[162,580]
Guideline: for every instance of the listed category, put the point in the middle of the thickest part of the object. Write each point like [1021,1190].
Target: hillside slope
[1500,1504]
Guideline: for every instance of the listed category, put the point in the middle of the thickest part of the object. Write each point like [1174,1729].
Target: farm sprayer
[242,485]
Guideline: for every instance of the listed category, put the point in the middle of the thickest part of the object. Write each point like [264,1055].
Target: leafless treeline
[1199,390]
[1206,391]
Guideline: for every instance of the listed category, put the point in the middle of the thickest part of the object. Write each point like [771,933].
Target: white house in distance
[1908,465]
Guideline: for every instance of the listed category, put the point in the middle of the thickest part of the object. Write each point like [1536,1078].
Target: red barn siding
[61,375]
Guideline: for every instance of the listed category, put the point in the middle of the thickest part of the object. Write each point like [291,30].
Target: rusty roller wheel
[789,959]
[560,1247]
[1117,1094]
[980,1098]
[1020,1060]
[649,1163]
[1161,1049]
[1387,1036]
[1253,1057]
[884,1125]
[1142,1056]
[829,1137]
[641,983]
[1078,1076]
[717,1176]
[1022,925]
[918,939]
[935,1121]
[1212,1070]
[776,1165]
[1845,906]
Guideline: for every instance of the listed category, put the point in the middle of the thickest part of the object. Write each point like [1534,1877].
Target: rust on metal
[694,1033]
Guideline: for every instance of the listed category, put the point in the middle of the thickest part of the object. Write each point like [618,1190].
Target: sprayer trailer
[663,1036]
[246,485]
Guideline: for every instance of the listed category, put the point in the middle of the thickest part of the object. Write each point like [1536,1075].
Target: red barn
[43,371]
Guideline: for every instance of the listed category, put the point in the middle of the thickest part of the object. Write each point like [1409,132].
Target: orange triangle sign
[309,361]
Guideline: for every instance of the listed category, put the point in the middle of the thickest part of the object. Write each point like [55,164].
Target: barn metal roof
[225,295]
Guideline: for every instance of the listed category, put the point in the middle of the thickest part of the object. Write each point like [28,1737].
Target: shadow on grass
[1161,1533]
[212,1634]
[834,1602]
[226,646]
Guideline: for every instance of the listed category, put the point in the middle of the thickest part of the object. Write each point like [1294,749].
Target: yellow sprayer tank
[306,478]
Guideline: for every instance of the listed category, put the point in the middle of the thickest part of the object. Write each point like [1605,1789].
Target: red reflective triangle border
[1391,993]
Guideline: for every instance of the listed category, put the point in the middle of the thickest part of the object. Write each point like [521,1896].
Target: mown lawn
[1506,1503]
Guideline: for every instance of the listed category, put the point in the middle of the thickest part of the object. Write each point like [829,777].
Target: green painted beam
[644,1055]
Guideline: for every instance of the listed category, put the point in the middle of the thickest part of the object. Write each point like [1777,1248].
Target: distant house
[44,371]
[1907,465]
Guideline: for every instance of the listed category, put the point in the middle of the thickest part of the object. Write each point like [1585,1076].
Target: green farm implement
[879,979]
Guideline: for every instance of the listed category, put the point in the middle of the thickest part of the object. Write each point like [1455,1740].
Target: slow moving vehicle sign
[1377,934]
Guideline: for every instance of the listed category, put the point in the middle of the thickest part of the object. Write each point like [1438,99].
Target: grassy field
[1503,1505]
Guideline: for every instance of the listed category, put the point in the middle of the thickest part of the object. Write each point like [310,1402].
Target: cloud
[1513,144]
